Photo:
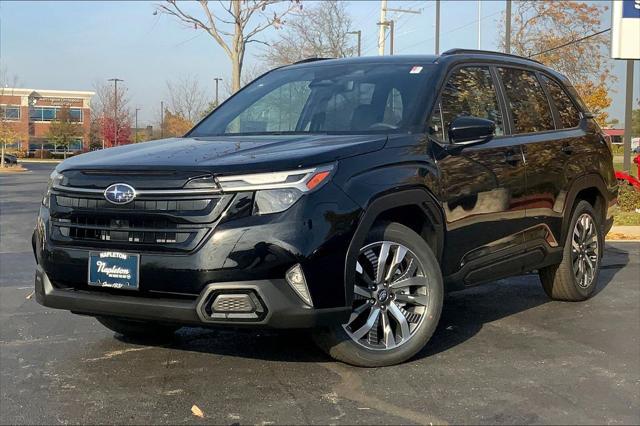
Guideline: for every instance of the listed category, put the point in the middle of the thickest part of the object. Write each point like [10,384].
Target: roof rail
[302,61]
[486,52]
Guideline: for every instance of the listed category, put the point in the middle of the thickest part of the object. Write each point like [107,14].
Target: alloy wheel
[391,294]
[584,250]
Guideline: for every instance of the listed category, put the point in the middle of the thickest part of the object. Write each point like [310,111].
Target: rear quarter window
[567,111]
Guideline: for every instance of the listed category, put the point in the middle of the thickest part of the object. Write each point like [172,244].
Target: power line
[570,43]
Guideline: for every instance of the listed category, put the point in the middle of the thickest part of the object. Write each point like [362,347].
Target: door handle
[567,149]
[512,157]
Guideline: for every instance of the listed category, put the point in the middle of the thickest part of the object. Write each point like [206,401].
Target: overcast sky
[70,45]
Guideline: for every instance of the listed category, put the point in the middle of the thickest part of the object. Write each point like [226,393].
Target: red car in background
[625,178]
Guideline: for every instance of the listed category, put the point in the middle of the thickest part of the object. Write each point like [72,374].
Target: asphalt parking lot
[503,353]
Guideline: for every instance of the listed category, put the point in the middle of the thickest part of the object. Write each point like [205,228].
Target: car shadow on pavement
[463,316]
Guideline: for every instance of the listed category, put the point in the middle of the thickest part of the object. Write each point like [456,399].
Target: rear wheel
[575,278]
[138,329]
[397,301]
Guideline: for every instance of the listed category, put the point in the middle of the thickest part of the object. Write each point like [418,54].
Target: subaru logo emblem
[120,193]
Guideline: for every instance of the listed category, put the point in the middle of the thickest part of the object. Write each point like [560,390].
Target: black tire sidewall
[338,343]
[581,208]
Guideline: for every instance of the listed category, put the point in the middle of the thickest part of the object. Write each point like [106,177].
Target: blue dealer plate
[114,269]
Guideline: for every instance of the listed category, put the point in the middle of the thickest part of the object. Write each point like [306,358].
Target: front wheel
[397,301]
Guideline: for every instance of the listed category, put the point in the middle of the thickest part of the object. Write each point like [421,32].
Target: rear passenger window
[529,105]
[569,115]
[468,92]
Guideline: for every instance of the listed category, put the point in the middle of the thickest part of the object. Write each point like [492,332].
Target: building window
[10,112]
[51,113]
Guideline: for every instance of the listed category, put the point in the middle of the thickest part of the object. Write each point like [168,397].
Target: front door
[482,186]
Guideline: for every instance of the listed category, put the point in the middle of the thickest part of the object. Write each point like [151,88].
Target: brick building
[31,111]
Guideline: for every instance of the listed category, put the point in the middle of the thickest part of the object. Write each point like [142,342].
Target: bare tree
[234,28]
[187,98]
[319,31]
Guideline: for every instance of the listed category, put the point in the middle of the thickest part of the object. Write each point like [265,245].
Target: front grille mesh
[137,205]
[152,223]
[139,231]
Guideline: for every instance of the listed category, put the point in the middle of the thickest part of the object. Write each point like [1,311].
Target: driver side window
[468,92]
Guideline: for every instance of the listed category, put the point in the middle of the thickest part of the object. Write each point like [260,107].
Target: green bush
[628,198]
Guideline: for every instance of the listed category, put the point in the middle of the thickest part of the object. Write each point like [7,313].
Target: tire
[138,329]
[561,281]
[393,341]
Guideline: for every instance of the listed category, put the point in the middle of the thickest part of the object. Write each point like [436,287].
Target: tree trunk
[237,50]
[2,158]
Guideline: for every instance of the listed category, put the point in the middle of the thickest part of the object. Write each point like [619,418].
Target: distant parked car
[10,159]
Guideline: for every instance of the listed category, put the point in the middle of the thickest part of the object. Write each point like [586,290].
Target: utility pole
[479,24]
[628,110]
[507,25]
[137,109]
[161,119]
[382,31]
[391,36]
[115,109]
[389,24]
[359,34]
[437,27]
[217,80]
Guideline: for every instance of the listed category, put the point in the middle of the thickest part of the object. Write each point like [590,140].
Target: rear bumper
[282,308]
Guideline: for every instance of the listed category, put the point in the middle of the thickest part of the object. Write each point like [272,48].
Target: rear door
[482,185]
[546,124]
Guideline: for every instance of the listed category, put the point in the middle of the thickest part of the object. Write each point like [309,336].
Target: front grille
[142,231]
[150,223]
[138,205]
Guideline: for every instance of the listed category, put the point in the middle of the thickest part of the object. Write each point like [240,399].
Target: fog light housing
[295,278]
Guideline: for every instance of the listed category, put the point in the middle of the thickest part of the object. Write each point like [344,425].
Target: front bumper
[282,308]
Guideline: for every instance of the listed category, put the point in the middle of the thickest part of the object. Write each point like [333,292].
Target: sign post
[625,44]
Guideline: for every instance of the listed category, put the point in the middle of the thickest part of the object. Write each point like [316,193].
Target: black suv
[341,195]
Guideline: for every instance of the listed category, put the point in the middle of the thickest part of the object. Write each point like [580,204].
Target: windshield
[346,98]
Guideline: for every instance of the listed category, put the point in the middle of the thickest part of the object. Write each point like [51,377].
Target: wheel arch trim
[581,183]
[382,203]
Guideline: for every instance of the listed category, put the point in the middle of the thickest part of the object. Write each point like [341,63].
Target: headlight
[304,180]
[55,179]
[275,200]
[277,191]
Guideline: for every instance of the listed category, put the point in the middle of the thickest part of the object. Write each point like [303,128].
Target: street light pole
[217,79]
[359,34]
[479,24]
[161,119]
[507,25]
[137,109]
[437,49]
[115,108]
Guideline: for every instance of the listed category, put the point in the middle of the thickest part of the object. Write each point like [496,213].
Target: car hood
[229,155]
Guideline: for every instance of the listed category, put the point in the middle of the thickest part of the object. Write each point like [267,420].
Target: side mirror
[467,130]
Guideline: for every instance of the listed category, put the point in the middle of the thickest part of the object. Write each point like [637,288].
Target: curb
[48,161]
